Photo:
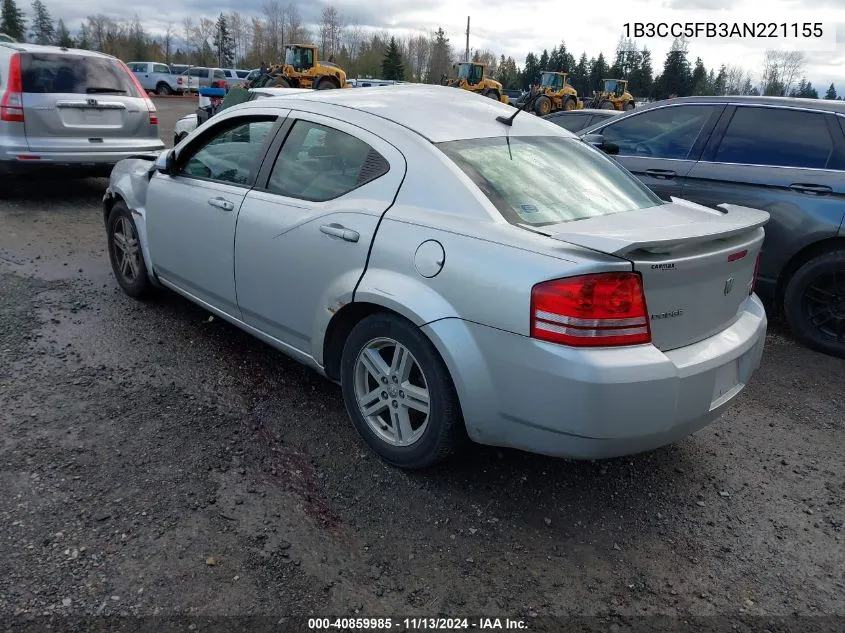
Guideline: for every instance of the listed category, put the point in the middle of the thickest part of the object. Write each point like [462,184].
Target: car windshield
[542,180]
[464,71]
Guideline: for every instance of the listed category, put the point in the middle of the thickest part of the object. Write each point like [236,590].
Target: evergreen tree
[831,92]
[599,71]
[223,44]
[440,60]
[43,31]
[720,85]
[642,77]
[63,37]
[544,60]
[12,21]
[531,72]
[698,81]
[676,78]
[579,76]
[392,66]
[83,40]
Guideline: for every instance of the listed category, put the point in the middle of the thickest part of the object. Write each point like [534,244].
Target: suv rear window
[540,180]
[45,73]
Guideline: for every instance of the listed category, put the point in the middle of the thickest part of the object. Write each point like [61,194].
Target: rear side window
[571,122]
[319,163]
[195,72]
[776,137]
[660,133]
[44,73]
[161,68]
[242,73]
[543,180]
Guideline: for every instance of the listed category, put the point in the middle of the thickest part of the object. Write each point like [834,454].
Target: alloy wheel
[127,253]
[824,304]
[392,392]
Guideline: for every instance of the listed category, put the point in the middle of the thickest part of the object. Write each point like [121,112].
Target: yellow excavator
[472,76]
[615,96]
[302,69]
[556,93]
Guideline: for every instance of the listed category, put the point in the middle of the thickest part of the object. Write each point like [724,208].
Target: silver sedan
[462,272]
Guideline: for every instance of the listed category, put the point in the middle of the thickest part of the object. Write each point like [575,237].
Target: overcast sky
[515,27]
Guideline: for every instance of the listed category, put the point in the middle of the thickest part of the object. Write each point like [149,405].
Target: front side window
[319,163]
[542,180]
[660,133]
[138,67]
[195,72]
[776,137]
[219,74]
[232,153]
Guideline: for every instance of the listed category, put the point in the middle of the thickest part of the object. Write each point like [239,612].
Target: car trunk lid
[81,103]
[697,264]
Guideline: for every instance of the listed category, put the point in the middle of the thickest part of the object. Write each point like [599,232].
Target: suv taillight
[600,310]
[11,104]
[754,278]
[153,113]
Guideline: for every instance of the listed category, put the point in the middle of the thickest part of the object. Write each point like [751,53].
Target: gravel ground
[153,461]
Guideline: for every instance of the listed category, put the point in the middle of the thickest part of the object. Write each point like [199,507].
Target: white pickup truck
[200,77]
[155,77]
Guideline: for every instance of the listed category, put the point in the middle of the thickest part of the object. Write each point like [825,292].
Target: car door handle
[221,203]
[664,174]
[818,190]
[338,230]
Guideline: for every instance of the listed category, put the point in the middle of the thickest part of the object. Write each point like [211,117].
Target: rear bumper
[555,400]
[10,158]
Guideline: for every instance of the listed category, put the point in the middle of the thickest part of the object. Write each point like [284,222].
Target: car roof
[586,111]
[419,108]
[279,91]
[39,48]
[793,102]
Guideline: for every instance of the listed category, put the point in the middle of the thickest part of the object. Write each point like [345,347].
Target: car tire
[629,106]
[281,82]
[132,278]
[163,89]
[439,432]
[814,303]
[325,84]
[492,94]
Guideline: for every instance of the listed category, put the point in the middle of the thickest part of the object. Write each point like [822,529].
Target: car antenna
[508,120]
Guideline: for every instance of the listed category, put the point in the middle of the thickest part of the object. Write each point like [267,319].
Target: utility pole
[467,51]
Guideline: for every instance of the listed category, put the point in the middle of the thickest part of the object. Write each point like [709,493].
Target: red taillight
[153,113]
[11,104]
[601,310]
[754,277]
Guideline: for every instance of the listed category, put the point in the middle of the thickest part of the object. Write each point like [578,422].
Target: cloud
[515,27]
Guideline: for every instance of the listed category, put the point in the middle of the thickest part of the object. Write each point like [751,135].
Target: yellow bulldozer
[302,69]
[472,76]
[615,96]
[556,93]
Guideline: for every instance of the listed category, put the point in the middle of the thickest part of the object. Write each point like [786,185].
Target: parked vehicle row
[166,80]
[588,321]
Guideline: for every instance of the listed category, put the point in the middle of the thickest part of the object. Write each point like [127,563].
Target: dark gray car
[785,156]
[577,120]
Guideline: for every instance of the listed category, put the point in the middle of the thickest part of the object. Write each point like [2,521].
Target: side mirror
[166,162]
[597,141]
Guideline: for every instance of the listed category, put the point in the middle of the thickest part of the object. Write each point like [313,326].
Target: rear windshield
[75,74]
[543,180]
